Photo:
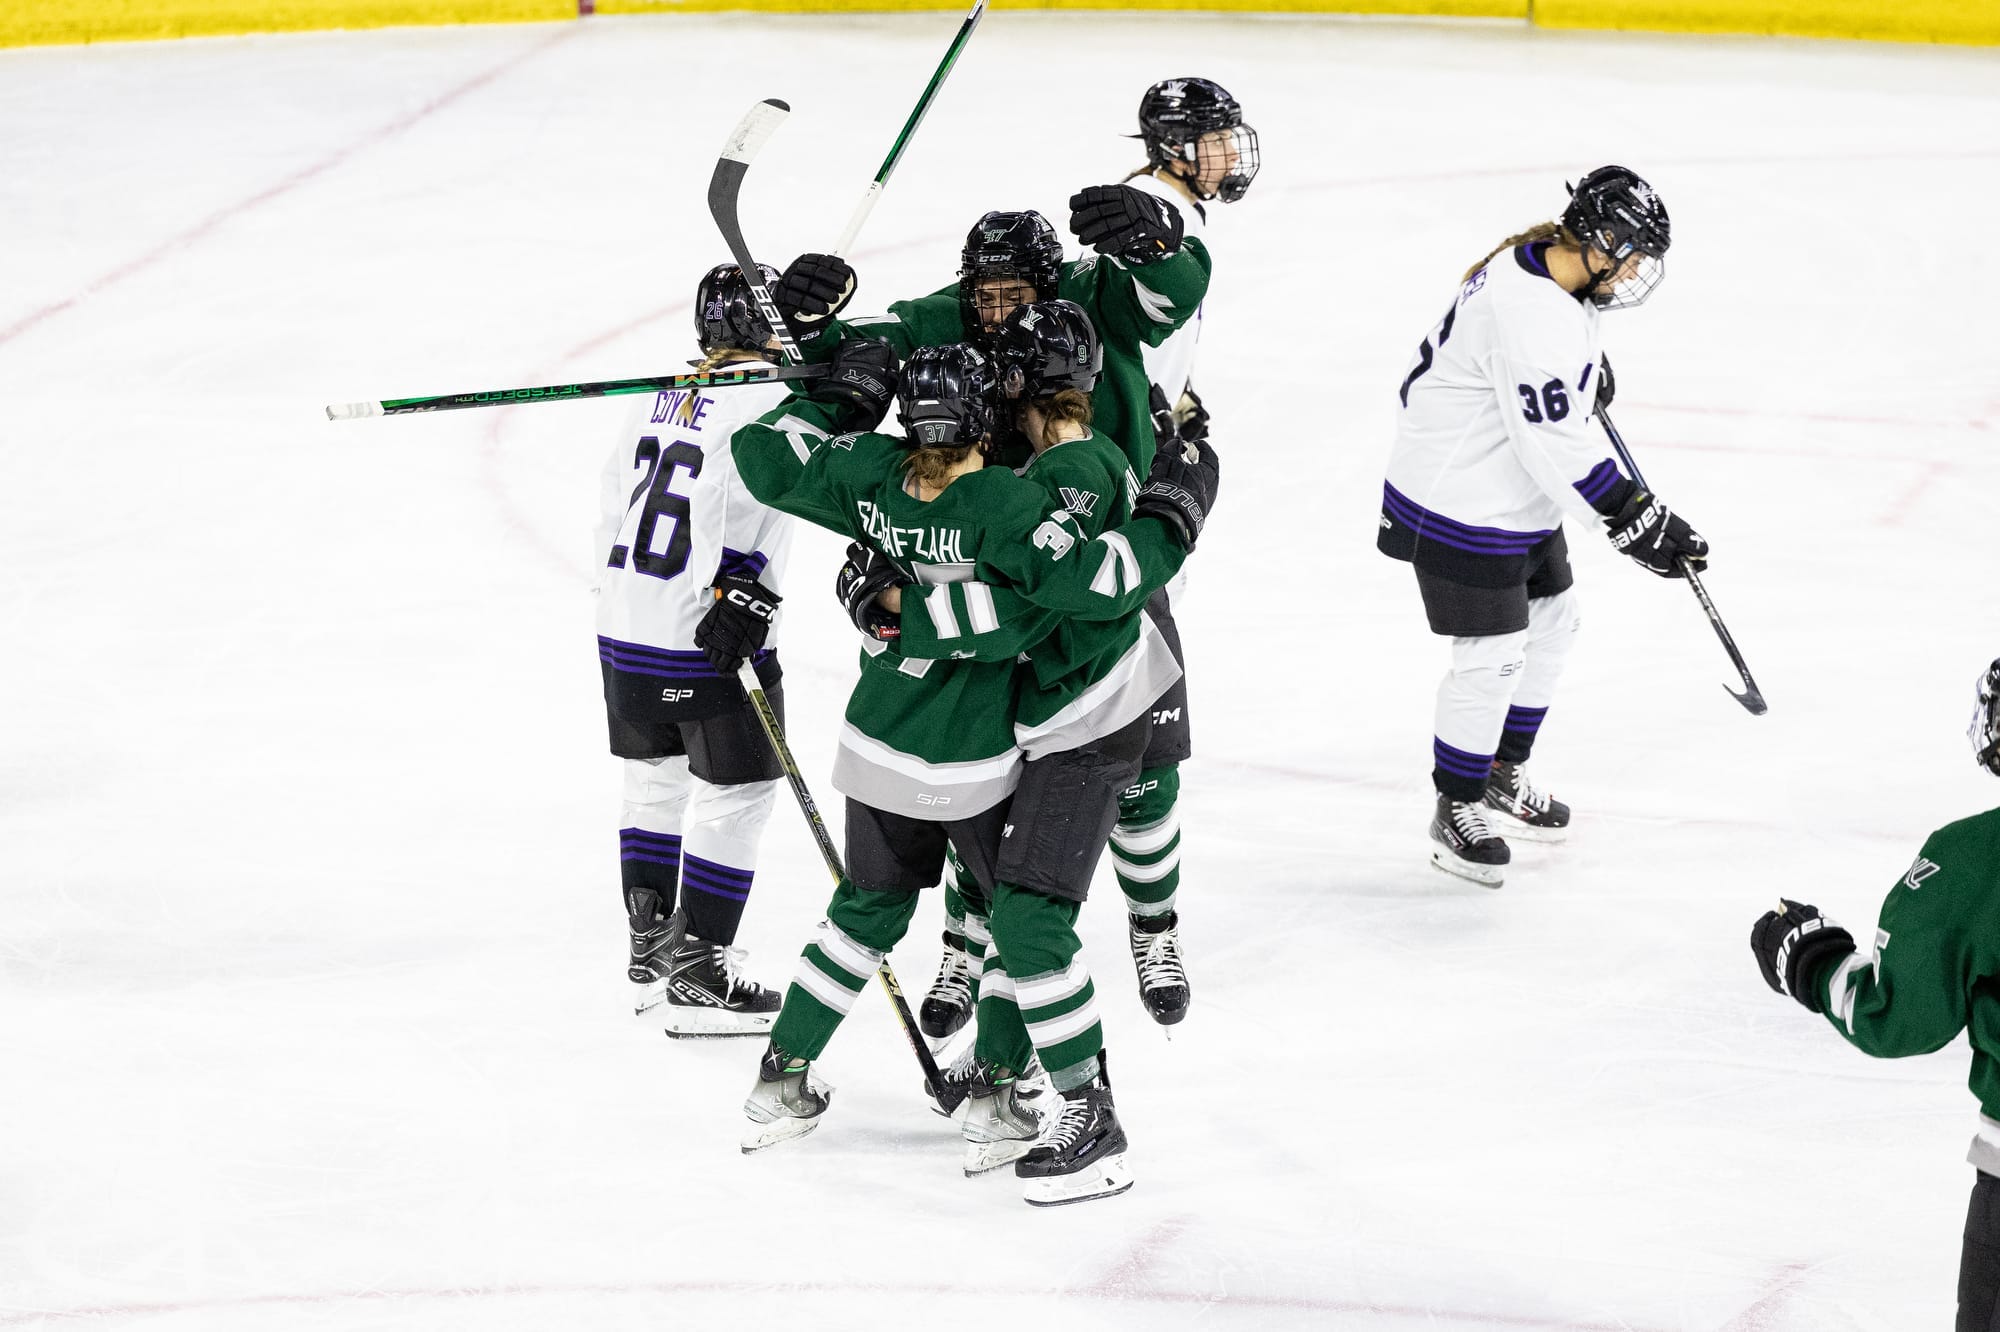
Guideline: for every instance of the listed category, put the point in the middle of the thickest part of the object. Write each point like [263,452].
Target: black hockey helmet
[945,397]
[1613,210]
[1044,348]
[1175,114]
[1019,245]
[1985,729]
[725,313]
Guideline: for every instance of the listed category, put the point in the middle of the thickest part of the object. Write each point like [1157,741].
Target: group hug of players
[1020,706]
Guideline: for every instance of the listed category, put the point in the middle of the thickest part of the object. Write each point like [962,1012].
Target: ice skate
[651,942]
[1083,1156]
[1463,844]
[959,1077]
[707,994]
[1000,1125]
[948,1006]
[786,1103]
[1532,815]
[1156,953]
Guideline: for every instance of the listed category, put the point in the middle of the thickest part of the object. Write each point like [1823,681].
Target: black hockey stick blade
[743,145]
[1752,698]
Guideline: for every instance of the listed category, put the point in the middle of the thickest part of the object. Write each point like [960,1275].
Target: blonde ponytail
[1541,231]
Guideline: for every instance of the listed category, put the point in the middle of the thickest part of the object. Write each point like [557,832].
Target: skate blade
[1517,831]
[983,1158]
[1105,1179]
[651,995]
[1489,876]
[708,1023]
[783,1129]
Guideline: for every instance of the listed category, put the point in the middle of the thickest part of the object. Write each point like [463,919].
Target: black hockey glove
[1181,488]
[866,574]
[1655,536]
[1607,383]
[1127,222]
[1186,420]
[861,384]
[812,291]
[736,626]
[1793,945]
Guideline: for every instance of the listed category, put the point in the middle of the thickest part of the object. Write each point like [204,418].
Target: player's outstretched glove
[736,626]
[1127,222]
[1607,383]
[1793,945]
[812,291]
[1181,488]
[860,383]
[860,581]
[1655,536]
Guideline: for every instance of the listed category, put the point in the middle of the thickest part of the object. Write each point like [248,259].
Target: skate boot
[706,993]
[1463,844]
[960,1080]
[1156,952]
[786,1103]
[948,1006]
[1000,1125]
[1531,814]
[650,946]
[1083,1156]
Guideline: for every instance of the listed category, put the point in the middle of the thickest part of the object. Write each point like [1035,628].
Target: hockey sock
[1146,842]
[1002,1038]
[723,826]
[1472,704]
[1552,626]
[954,907]
[976,931]
[860,926]
[649,845]
[1043,964]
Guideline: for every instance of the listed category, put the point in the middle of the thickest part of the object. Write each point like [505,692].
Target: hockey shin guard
[1146,842]
[1552,626]
[1472,710]
[649,843]
[860,926]
[719,854]
[954,904]
[1043,965]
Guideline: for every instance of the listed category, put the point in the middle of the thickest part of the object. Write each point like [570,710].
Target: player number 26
[1552,404]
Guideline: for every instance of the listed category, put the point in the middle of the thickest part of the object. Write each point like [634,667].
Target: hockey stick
[723,188]
[881,181]
[1752,698]
[602,388]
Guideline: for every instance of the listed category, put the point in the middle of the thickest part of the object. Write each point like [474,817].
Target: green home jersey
[1132,306]
[1935,968]
[934,739]
[1080,679]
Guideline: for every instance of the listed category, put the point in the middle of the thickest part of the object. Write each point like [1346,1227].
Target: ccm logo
[676,695]
[1165,715]
[926,798]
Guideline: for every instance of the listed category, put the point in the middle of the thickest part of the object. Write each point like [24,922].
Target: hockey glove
[812,291]
[1655,536]
[860,581]
[736,626]
[1191,417]
[1181,488]
[1607,383]
[1127,222]
[860,385]
[1793,945]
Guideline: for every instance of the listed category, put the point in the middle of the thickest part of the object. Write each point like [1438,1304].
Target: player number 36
[1552,404]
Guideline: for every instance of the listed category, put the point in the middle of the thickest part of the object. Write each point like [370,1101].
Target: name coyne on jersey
[681,407]
[932,545]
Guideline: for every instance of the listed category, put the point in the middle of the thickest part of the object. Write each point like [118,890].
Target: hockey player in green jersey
[1933,972]
[914,728]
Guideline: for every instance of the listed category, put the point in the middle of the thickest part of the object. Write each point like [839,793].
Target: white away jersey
[676,516]
[1171,364]
[1494,438]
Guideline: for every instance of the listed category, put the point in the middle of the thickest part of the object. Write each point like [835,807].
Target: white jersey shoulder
[675,516]
[1171,364]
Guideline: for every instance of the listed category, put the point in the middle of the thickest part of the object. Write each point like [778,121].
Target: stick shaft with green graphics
[603,388]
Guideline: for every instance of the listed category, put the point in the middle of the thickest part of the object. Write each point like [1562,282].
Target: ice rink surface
[312,1011]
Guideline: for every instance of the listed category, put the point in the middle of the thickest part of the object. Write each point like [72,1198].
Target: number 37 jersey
[675,516]
[1493,436]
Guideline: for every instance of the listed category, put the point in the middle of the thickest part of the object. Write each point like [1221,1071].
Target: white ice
[312,1009]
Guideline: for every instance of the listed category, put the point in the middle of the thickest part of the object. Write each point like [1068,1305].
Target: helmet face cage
[1045,348]
[1984,732]
[725,313]
[1197,122]
[1019,246]
[945,397]
[1615,212]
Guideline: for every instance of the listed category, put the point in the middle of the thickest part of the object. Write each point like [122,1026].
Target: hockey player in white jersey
[691,564]
[1493,447]
[1198,150]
